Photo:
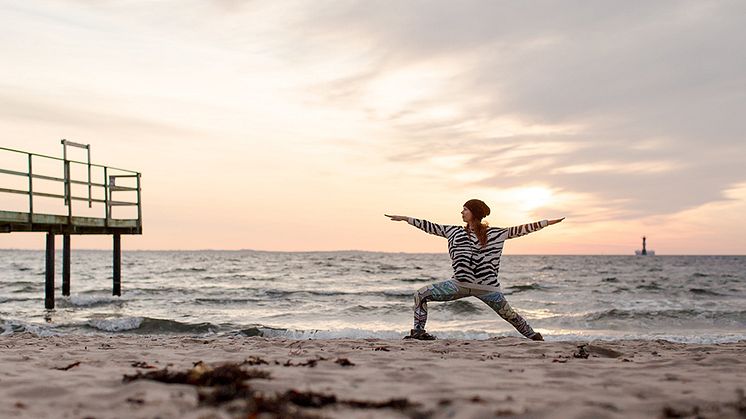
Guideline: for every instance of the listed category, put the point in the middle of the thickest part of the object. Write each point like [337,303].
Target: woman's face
[466,215]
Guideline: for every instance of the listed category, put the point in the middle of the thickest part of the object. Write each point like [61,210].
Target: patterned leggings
[451,290]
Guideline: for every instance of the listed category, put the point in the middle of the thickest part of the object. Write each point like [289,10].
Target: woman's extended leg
[441,291]
[497,302]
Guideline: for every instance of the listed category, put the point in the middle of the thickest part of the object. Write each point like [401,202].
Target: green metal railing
[108,184]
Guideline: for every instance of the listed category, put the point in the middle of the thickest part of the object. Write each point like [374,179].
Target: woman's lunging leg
[442,291]
[497,302]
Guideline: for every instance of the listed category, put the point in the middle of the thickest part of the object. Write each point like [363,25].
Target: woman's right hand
[397,217]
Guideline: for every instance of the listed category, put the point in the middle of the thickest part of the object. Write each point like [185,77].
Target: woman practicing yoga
[475,251]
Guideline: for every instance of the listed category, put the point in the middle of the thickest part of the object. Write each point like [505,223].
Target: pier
[42,200]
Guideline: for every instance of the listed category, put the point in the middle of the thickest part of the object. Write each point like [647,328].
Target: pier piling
[117,265]
[49,280]
[66,264]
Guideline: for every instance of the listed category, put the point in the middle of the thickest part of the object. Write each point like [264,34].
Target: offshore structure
[39,183]
[644,251]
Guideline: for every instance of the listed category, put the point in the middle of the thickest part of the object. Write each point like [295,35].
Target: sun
[532,197]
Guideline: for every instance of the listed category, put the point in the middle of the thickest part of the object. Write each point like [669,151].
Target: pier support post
[117,265]
[66,264]
[49,282]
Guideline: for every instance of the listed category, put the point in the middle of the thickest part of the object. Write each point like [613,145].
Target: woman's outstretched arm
[424,225]
[523,229]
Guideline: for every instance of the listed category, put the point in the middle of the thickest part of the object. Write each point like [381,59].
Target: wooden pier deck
[73,223]
[11,221]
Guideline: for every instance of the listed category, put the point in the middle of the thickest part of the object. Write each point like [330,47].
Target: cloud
[635,104]
[632,109]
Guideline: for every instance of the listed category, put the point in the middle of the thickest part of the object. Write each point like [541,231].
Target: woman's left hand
[555,221]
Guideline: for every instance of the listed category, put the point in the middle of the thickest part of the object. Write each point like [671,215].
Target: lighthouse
[644,251]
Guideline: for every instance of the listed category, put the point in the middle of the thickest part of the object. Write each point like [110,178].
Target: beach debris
[200,375]
[135,401]
[144,365]
[398,404]
[344,362]
[73,365]
[382,348]
[582,352]
[254,360]
[671,412]
[228,386]
[310,363]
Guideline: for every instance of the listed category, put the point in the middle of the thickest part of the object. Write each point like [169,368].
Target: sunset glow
[295,126]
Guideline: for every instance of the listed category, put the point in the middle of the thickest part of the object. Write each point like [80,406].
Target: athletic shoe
[419,334]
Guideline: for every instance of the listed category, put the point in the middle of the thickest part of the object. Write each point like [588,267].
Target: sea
[352,294]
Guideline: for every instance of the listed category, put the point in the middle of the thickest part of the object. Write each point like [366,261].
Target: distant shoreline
[507,253]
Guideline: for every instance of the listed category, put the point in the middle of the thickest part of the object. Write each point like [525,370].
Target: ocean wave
[514,289]
[148,325]
[375,310]
[738,316]
[398,294]
[120,324]
[238,277]
[703,291]
[348,333]
[653,286]
[323,293]
[422,279]
[10,327]
[93,300]
[459,307]
[12,299]
[564,336]
[177,270]
[29,288]
[225,300]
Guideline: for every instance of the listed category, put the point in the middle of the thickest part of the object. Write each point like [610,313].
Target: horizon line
[367,251]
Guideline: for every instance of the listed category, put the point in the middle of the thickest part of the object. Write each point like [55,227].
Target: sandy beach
[109,377]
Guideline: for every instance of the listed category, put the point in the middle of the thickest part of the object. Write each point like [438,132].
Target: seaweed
[73,365]
[228,385]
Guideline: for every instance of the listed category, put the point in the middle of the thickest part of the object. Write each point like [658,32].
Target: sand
[82,376]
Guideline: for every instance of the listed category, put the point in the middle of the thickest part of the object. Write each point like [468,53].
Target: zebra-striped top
[472,263]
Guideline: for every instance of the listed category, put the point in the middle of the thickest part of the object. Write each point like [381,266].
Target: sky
[295,125]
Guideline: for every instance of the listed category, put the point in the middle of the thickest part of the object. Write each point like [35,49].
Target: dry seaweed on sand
[582,352]
[201,375]
[226,386]
[73,365]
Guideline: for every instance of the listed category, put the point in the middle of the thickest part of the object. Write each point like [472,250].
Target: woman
[475,251]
